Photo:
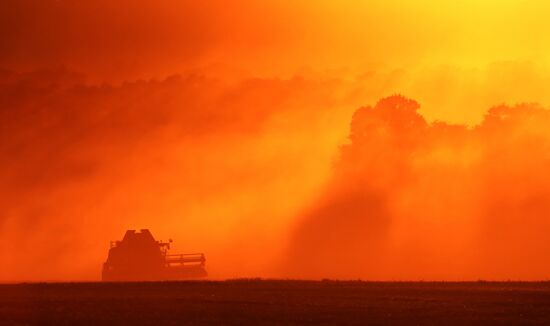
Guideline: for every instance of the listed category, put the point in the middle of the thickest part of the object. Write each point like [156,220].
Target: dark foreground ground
[276,302]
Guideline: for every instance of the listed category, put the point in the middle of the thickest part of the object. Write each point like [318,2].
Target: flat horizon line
[259,279]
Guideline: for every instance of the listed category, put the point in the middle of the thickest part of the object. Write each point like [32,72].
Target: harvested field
[276,302]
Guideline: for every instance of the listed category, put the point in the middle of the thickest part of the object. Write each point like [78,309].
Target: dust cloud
[415,200]
[240,130]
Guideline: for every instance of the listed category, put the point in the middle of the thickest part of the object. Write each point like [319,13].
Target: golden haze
[243,131]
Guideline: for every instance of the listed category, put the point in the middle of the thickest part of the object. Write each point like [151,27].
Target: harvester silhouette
[139,257]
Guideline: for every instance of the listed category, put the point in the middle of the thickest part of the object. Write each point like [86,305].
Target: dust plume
[234,129]
[416,200]
[190,157]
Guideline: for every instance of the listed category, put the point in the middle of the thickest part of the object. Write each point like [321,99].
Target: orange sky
[228,129]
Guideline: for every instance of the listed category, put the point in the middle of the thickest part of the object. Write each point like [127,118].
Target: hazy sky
[444,53]
[224,125]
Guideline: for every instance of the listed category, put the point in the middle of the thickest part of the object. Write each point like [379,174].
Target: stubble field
[276,302]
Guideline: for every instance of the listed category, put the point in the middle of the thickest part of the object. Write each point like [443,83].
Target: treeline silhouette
[410,199]
[79,162]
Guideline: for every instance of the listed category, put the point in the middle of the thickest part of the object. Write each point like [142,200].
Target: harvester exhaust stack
[139,257]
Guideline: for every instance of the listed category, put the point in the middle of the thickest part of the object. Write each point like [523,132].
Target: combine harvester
[139,257]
